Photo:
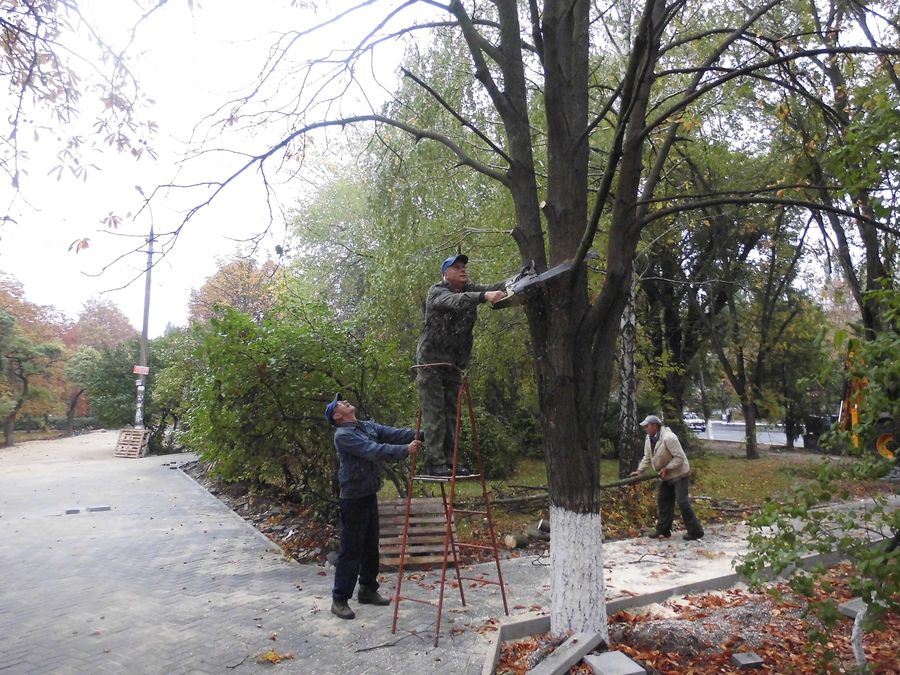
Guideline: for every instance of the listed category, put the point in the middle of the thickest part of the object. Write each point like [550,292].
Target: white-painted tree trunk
[577,590]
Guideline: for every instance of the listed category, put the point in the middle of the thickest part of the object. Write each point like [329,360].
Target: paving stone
[567,654]
[747,660]
[852,607]
[173,577]
[612,663]
[10,666]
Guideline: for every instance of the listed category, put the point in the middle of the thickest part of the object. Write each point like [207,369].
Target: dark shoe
[367,597]
[656,534]
[693,537]
[463,471]
[439,471]
[342,610]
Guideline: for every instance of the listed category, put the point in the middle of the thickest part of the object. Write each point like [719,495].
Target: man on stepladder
[361,448]
[450,313]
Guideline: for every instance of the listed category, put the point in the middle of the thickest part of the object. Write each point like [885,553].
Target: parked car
[694,422]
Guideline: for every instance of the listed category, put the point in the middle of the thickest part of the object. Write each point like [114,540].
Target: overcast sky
[189,62]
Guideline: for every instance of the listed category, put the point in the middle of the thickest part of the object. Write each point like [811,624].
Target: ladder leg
[405,538]
[485,495]
[462,595]
[449,510]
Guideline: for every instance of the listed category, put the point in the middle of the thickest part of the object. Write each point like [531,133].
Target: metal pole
[139,405]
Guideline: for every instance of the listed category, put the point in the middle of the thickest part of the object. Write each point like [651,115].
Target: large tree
[25,364]
[242,284]
[101,325]
[56,67]
[574,110]
[839,132]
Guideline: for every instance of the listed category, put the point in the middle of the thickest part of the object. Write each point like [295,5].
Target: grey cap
[651,419]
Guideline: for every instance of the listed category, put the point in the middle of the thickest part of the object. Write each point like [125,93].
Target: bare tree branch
[800,203]
[462,120]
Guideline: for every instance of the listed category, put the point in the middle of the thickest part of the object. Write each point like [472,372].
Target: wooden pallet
[427,529]
[132,443]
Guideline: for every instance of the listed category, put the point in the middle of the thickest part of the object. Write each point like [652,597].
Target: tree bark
[70,412]
[629,450]
[576,570]
[9,428]
[749,410]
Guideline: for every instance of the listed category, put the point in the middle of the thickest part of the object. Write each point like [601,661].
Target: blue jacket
[361,448]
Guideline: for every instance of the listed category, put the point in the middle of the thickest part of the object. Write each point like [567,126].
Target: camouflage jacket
[449,321]
[361,448]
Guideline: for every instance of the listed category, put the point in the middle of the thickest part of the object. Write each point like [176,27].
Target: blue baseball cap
[453,259]
[329,409]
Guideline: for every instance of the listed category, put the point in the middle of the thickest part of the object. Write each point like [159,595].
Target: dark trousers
[438,396]
[358,551]
[670,493]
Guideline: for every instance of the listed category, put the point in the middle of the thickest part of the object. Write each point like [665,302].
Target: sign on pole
[141,370]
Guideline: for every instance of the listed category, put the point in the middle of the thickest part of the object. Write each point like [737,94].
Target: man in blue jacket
[361,448]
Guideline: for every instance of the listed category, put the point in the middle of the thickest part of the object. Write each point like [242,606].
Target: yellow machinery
[848,418]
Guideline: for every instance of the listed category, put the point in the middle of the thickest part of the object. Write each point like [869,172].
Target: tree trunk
[750,428]
[629,450]
[565,365]
[70,412]
[576,572]
[704,400]
[570,419]
[791,426]
[9,428]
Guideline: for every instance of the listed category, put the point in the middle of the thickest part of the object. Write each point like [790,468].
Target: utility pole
[142,370]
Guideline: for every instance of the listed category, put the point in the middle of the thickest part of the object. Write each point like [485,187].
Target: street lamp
[141,369]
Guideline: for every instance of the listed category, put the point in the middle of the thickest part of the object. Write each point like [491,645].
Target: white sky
[189,62]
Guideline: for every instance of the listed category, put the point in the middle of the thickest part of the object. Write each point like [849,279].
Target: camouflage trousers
[438,395]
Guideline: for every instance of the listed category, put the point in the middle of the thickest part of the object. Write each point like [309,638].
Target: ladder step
[424,530]
[415,522]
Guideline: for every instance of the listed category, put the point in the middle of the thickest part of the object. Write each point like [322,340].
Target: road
[734,431]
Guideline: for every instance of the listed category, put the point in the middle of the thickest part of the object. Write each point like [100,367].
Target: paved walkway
[169,580]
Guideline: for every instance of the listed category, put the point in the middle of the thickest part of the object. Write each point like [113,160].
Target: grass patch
[740,483]
[746,481]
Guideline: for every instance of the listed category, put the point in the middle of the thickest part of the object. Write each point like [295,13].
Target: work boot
[656,534]
[439,471]
[463,471]
[693,536]
[367,596]
[341,609]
